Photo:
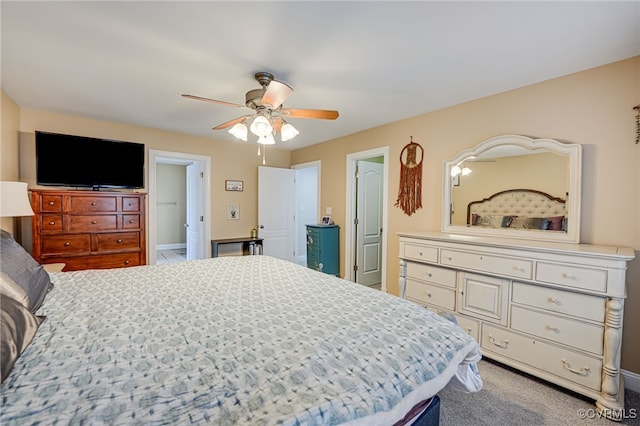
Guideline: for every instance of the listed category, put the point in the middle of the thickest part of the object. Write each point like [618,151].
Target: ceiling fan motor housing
[253,98]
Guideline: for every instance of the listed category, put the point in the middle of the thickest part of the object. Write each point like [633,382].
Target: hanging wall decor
[637,110]
[410,190]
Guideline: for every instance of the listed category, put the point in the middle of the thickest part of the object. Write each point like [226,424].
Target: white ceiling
[374,62]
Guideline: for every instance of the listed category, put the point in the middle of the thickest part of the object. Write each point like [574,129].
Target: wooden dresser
[553,310]
[89,229]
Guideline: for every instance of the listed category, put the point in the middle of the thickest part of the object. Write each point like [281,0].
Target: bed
[519,209]
[250,340]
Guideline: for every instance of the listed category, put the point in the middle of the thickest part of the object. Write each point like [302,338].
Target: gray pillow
[10,288]
[17,328]
[18,264]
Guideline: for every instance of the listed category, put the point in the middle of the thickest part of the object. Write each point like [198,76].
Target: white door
[369,223]
[276,211]
[195,215]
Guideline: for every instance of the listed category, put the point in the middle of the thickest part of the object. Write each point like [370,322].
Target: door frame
[350,211]
[180,158]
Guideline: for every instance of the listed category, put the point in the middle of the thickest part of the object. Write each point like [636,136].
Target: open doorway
[307,204]
[366,217]
[194,209]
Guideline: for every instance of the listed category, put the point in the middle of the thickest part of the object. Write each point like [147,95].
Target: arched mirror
[514,187]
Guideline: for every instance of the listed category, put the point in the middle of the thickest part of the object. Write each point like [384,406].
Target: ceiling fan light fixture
[266,140]
[288,132]
[239,130]
[261,126]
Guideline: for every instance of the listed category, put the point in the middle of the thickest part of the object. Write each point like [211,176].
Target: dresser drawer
[51,203]
[66,244]
[572,276]
[94,204]
[572,366]
[432,274]
[51,222]
[508,266]
[418,252]
[119,241]
[121,260]
[130,204]
[566,331]
[131,221]
[93,223]
[472,327]
[423,293]
[565,302]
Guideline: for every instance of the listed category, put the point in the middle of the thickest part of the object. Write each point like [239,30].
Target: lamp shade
[288,132]
[239,130]
[261,126]
[14,199]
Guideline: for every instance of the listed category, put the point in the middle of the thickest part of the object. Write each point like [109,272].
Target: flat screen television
[78,161]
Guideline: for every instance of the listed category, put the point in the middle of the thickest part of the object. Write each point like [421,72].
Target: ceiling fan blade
[231,123]
[277,123]
[275,94]
[310,113]
[214,101]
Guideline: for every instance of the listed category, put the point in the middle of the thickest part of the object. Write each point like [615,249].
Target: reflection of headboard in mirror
[506,162]
[519,209]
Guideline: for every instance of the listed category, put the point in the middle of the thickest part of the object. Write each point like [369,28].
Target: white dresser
[553,310]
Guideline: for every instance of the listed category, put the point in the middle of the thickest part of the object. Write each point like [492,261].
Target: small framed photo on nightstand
[326,220]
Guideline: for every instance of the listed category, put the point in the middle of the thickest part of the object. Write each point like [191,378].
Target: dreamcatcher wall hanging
[410,191]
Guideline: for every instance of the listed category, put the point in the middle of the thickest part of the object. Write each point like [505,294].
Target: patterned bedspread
[247,340]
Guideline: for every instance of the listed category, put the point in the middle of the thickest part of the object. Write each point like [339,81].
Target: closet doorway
[366,217]
[186,206]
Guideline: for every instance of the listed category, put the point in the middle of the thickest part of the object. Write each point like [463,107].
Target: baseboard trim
[173,246]
[631,380]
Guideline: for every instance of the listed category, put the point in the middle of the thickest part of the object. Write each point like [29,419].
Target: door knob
[261,226]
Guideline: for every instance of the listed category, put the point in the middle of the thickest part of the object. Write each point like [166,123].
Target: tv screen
[66,160]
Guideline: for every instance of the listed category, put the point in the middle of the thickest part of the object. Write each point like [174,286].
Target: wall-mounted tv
[78,161]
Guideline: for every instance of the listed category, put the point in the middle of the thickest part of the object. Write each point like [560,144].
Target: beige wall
[171,204]
[10,113]
[593,108]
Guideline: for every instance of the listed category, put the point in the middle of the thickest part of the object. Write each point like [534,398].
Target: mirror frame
[574,152]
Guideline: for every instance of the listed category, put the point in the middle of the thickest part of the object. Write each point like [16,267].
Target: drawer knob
[67,244]
[420,253]
[429,274]
[119,241]
[93,203]
[504,344]
[554,329]
[449,258]
[568,276]
[52,223]
[51,203]
[584,371]
[130,220]
[519,269]
[126,262]
[553,300]
[93,222]
[428,294]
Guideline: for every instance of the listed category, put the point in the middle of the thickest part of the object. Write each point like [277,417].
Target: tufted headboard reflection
[519,208]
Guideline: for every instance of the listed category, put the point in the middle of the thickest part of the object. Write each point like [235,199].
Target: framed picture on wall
[233,211]
[233,185]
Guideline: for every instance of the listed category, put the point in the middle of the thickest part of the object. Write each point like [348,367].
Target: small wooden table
[246,245]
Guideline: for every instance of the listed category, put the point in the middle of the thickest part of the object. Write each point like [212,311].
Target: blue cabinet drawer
[323,248]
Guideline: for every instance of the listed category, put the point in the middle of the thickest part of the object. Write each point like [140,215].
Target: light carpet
[513,398]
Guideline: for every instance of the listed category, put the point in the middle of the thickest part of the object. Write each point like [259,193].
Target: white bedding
[234,340]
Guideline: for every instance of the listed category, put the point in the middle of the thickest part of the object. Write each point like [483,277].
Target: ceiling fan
[268,114]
